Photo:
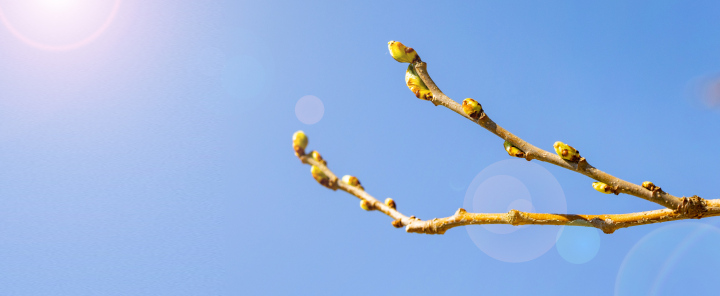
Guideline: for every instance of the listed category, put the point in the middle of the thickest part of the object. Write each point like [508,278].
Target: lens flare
[666,259]
[520,185]
[58,25]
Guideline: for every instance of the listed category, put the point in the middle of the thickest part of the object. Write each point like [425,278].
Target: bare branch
[420,83]
[691,208]
[532,152]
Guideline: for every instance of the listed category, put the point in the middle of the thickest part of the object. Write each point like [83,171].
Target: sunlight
[58,4]
[57,24]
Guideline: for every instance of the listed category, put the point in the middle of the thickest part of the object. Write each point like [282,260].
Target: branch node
[694,207]
[528,157]
[582,164]
[514,217]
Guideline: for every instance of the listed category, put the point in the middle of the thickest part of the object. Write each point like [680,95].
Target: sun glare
[56,3]
[57,24]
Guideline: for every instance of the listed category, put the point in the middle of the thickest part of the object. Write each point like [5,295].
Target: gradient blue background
[157,160]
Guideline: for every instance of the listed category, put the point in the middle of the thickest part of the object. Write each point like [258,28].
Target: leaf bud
[602,187]
[566,151]
[402,53]
[649,185]
[366,205]
[316,156]
[390,202]
[300,142]
[352,181]
[512,150]
[416,85]
[320,176]
[472,108]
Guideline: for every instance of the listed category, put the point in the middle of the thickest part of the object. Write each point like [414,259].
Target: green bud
[602,187]
[397,223]
[512,150]
[300,142]
[566,151]
[320,176]
[352,181]
[416,85]
[390,202]
[365,205]
[316,156]
[649,185]
[401,53]
[472,108]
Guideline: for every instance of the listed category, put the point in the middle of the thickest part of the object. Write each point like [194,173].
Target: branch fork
[676,208]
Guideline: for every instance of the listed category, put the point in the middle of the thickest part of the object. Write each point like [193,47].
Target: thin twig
[606,223]
[531,152]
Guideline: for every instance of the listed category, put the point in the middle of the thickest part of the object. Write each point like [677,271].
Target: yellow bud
[397,223]
[300,142]
[416,85]
[352,181]
[365,205]
[401,53]
[566,151]
[602,187]
[390,202]
[316,156]
[649,185]
[512,150]
[472,108]
[320,176]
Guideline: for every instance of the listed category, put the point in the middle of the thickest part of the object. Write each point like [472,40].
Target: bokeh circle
[309,109]
[578,245]
[521,185]
[676,259]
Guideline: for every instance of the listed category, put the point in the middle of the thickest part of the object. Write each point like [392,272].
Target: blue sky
[156,159]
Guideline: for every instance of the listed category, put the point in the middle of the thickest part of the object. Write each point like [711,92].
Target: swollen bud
[390,202]
[320,176]
[472,108]
[650,186]
[401,53]
[300,142]
[566,151]
[316,156]
[512,150]
[602,187]
[366,205]
[416,85]
[352,181]
[397,223]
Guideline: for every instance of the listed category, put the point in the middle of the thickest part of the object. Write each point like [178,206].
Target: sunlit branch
[606,223]
[532,152]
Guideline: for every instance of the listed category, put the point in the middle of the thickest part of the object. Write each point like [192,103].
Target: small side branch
[693,208]
[531,152]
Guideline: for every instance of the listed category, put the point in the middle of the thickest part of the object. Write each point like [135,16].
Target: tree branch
[606,223]
[420,83]
[532,152]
